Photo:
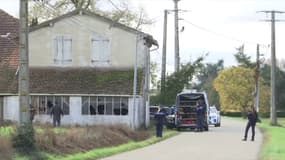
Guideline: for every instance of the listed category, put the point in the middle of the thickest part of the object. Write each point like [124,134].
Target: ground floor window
[104,105]
[44,104]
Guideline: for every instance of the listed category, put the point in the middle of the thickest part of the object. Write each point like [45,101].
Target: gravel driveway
[220,143]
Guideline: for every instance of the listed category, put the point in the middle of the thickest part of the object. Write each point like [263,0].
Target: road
[220,143]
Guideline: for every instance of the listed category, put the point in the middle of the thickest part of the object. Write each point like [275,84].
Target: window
[62,49]
[44,104]
[104,105]
[100,51]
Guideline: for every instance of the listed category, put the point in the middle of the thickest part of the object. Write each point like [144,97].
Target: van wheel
[218,125]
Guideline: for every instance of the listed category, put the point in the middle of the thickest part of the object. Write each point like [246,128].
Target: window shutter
[105,50]
[96,50]
[67,49]
[58,44]
[100,49]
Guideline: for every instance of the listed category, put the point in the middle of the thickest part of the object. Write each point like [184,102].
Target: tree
[236,86]
[176,82]
[206,76]
[242,59]
[280,88]
[48,9]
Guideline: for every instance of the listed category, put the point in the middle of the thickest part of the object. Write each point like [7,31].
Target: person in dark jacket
[252,117]
[56,113]
[160,119]
[200,111]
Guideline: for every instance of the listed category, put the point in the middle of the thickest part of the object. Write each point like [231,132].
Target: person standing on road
[56,113]
[200,115]
[252,117]
[160,119]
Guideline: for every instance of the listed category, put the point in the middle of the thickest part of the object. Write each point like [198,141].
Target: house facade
[96,69]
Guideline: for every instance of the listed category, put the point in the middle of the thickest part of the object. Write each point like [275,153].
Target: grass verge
[108,151]
[273,145]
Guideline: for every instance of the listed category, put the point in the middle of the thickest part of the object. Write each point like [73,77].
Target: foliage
[242,59]
[6,131]
[274,147]
[205,77]
[108,151]
[280,87]
[236,88]
[49,9]
[153,76]
[24,139]
[176,82]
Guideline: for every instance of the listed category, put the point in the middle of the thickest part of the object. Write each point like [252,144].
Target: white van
[214,116]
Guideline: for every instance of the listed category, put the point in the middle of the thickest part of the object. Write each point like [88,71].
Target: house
[95,68]
[9,28]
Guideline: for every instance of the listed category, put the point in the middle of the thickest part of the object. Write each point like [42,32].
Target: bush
[24,139]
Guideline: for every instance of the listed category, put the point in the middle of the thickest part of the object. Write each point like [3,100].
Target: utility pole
[257,71]
[163,63]
[176,35]
[273,115]
[24,64]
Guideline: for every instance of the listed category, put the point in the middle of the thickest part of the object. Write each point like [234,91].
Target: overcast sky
[216,27]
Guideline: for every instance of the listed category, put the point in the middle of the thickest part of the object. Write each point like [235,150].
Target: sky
[216,27]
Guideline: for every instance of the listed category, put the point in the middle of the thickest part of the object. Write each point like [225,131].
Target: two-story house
[95,68]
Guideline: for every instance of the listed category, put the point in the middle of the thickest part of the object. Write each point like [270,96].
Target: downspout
[133,123]
[149,42]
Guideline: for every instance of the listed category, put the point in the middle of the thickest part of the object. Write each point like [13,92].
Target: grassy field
[104,152]
[274,146]
[101,142]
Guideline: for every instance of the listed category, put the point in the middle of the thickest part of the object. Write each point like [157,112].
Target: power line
[222,35]
[114,5]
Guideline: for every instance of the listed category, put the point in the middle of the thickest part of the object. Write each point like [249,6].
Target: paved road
[221,143]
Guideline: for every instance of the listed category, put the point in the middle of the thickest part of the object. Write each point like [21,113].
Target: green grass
[274,146]
[104,152]
[6,131]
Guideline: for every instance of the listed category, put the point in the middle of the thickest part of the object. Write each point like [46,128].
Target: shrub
[24,139]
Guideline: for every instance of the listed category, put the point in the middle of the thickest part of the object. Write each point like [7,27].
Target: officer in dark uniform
[56,112]
[252,117]
[201,108]
[160,119]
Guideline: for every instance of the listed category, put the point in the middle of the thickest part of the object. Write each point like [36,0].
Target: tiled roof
[9,25]
[73,81]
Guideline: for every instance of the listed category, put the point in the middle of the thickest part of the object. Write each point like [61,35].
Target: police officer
[160,119]
[252,117]
[200,115]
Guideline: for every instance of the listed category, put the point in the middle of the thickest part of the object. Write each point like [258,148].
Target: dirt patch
[81,139]
[6,148]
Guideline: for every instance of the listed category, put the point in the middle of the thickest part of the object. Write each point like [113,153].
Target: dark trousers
[56,122]
[248,125]
[159,128]
[200,120]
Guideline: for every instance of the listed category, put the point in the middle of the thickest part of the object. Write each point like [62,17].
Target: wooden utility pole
[163,60]
[273,115]
[257,71]
[176,35]
[24,64]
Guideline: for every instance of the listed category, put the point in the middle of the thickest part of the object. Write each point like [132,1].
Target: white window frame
[62,49]
[100,51]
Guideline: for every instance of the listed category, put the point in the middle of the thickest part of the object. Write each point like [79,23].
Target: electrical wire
[223,35]
[114,5]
